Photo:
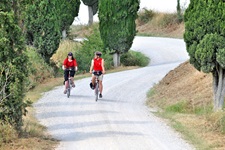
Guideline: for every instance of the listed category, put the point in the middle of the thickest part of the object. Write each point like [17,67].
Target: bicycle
[69,83]
[97,74]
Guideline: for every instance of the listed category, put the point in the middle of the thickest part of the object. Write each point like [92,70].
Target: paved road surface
[120,120]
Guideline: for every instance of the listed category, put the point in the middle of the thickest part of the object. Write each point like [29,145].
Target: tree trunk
[64,35]
[116,59]
[219,88]
[179,16]
[90,13]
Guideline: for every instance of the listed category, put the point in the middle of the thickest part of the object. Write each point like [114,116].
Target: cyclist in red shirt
[69,63]
[97,64]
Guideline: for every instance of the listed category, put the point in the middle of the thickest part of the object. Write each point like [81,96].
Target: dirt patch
[185,83]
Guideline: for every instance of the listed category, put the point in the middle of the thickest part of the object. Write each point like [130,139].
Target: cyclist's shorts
[72,73]
[100,77]
[66,74]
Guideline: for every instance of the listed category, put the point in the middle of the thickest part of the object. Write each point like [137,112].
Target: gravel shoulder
[120,120]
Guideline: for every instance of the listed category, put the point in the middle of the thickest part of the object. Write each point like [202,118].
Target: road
[120,120]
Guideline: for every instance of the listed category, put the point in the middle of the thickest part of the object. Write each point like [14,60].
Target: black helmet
[98,54]
[70,54]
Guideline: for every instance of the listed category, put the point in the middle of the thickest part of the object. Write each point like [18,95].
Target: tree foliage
[204,37]
[69,10]
[13,68]
[45,21]
[43,27]
[117,23]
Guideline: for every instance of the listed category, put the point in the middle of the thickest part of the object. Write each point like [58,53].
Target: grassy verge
[184,98]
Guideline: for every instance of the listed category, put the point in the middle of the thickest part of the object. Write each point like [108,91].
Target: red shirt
[98,64]
[69,64]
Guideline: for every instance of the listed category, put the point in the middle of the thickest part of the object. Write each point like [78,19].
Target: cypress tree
[43,27]
[117,25]
[92,9]
[45,20]
[204,36]
[68,11]
[13,67]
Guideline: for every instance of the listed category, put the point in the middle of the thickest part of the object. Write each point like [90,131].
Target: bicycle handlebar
[97,73]
[70,69]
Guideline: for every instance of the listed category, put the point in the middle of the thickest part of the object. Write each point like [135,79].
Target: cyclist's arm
[103,68]
[92,65]
[64,64]
[75,65]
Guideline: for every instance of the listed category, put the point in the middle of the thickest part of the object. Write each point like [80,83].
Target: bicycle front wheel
[68,92]
[68,89]
[96,92]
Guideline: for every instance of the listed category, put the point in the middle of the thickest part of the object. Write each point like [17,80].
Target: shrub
[145,15]
[168,19]
[38,69]
[133,58]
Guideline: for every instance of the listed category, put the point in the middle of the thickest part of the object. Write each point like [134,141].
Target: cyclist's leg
[100,84]
[93,80]
[72,73]
[100,87]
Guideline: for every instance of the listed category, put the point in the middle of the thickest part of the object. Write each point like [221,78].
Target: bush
[145,15]
[133,58]
[169,19]
[39,70]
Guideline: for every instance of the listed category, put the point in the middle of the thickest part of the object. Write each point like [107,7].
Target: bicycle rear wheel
[96,92]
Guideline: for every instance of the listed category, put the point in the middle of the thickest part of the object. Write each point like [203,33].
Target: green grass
[151,92]
[180,107]
[203,110]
